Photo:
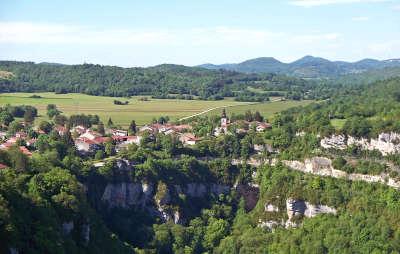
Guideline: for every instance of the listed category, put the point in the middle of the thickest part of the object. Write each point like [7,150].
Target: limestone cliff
[323,166]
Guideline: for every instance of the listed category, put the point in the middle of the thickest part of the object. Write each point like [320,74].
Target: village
[89,140]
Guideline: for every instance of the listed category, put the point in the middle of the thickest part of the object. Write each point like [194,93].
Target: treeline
[160,81]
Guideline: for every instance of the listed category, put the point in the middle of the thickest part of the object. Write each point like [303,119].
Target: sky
[191,32]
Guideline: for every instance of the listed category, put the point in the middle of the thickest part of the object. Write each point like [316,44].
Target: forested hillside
[307,67]
[210,184]
[160,81]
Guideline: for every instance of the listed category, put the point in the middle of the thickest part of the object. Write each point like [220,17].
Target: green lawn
[141,111]
[267,109]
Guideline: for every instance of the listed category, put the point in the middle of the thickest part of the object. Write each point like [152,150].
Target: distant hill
[306,67]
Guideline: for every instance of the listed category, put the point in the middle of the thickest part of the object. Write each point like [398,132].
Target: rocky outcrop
[296,207]
[125,194]
[385,143]
[334,141]
[323,166]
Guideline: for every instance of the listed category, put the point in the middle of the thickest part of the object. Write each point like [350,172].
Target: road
[227,106]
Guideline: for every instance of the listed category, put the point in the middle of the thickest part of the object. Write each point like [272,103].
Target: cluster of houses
[12,141]
[181,130]
[243,126]
[87,140]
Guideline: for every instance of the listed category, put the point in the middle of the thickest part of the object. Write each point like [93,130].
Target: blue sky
[144,33]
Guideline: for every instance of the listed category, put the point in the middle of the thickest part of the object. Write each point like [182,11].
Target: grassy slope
[267,109]
[141,111]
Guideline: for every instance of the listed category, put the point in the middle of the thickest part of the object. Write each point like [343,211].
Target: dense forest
[163,81]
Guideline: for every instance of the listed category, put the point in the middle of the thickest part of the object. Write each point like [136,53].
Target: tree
[52,110]
[18,160]
[216,230]
[6,118]
[99,155]
[100,128]
[29,116]
[45,126]
[248,116]
[258,117]
[60,120]
[15,126]
[132,128]
[109,148]
[110,123]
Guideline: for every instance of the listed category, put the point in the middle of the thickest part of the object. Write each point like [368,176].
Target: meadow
[141,111]
[267,109]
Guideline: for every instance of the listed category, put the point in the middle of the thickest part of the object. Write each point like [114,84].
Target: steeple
[223,113]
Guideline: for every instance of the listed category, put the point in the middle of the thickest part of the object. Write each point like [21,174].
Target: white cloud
[396,7]
[360,19]
[312,3]
[385,49]
[40,33]
[313,38]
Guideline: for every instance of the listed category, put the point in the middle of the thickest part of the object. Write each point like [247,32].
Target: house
[21,135]
[117,132]
[260,126]
[61,130]
[90,142]
[133,140]
[25,151]
[146,128]
[89,134]
[128,140]
[188,139]
[85,145]
[79,129]
[180,128]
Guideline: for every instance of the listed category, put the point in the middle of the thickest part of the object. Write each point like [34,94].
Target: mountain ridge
[305,67]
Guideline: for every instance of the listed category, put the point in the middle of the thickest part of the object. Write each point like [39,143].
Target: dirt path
[227,106]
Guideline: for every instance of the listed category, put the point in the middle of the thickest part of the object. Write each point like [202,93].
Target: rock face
[323,166]
[334,141]
[386,143]
[300,207]
[294,208]
[125,194]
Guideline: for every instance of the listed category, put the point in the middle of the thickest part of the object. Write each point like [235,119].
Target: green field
[141,111]
[267,109]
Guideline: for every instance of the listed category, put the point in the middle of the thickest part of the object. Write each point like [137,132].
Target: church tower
[224,121]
